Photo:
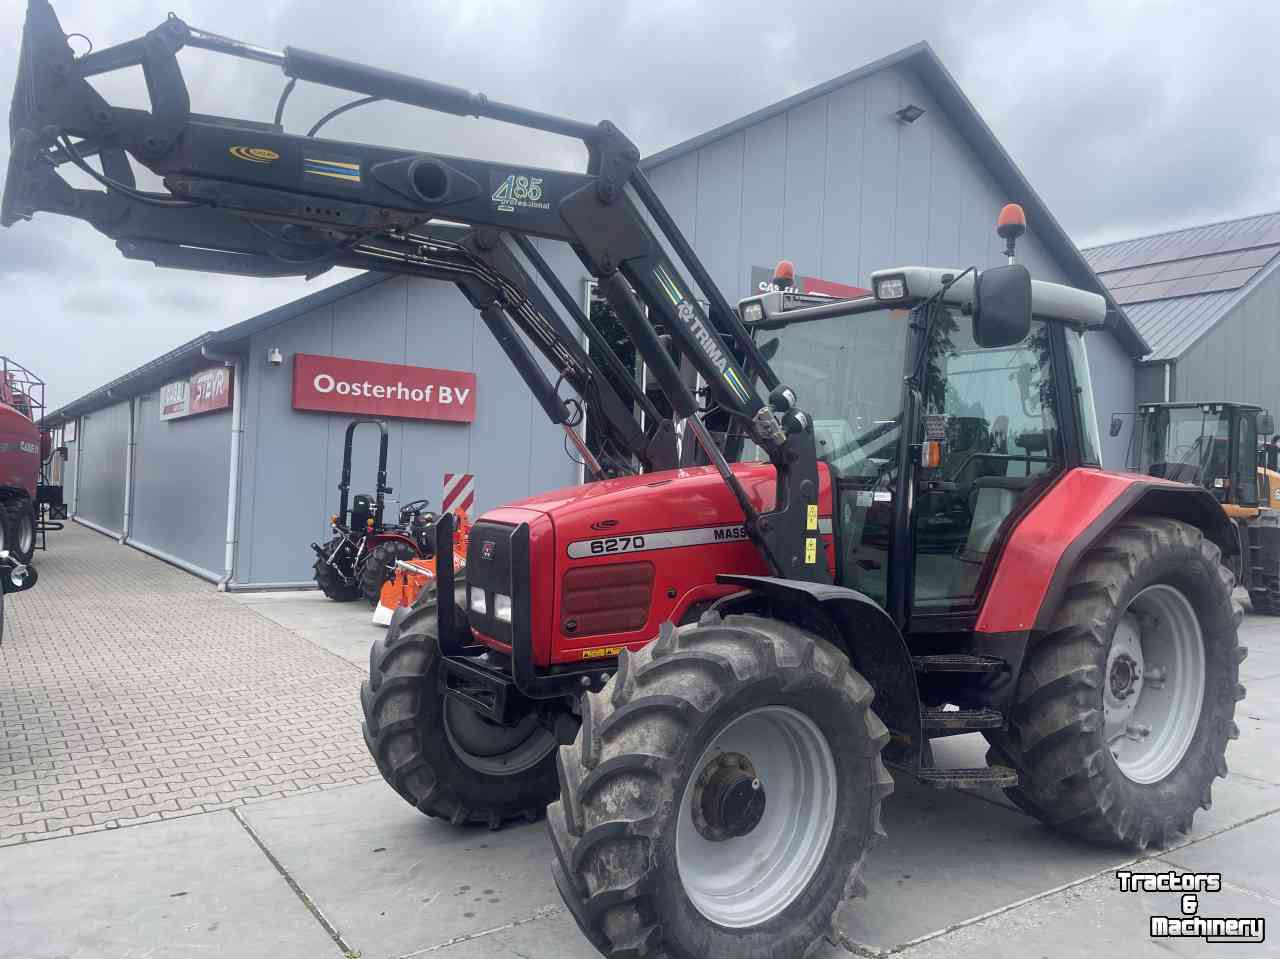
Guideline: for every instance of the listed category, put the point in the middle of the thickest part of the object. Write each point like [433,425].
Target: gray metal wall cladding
[842,187]
[103,444]
[1240,358]
[180,471]
[291,460]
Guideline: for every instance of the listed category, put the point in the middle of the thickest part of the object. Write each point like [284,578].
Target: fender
[1051,538]
[866,634]
[377,538]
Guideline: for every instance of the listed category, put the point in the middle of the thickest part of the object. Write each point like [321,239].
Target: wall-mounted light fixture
[910,113]
[274,356]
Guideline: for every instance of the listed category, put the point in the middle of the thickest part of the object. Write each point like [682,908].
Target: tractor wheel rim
[26,534]
[1153,690]
[747,879]
[493,749]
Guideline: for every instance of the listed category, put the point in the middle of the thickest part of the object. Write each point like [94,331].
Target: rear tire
[1125,707]
[330,581]
[783,715]
[1265,602]
[380,566]
[19,518]
[442,758]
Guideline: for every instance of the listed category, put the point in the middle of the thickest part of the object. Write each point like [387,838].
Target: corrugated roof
[960,109]
[1176,286]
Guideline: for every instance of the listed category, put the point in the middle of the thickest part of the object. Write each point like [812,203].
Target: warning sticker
[935,426]
[812,517]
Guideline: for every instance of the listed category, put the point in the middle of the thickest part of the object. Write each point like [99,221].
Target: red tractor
[23,448]
[702,663]
[361,555]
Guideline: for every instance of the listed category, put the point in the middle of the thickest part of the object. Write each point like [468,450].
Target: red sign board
[761,281]
[334,384]
[203,392]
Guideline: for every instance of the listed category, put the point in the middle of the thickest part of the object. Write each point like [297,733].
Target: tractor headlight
[477,601]
[891,288]
[752,313]
[502,608]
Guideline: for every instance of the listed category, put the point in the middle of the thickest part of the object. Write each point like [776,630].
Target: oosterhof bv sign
[334,384]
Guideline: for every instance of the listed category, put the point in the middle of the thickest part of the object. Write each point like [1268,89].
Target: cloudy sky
[1128,118]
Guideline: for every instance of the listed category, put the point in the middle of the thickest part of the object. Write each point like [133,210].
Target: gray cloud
[1126,118]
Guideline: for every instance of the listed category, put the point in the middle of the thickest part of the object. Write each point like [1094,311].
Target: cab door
[993,413]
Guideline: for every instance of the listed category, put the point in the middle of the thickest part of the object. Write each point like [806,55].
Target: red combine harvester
[729,649]
[24,448]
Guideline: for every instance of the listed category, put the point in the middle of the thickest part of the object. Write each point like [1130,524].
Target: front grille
[489,571]
[606,599]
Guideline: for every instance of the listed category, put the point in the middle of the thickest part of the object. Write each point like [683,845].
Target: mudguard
[1075,513]
[866,633]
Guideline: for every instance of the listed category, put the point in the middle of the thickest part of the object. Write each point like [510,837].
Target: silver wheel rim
[1153,690]
[495,750]
[747,880]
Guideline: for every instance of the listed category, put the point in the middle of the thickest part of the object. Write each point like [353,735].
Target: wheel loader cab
[934,443]
[1214,445]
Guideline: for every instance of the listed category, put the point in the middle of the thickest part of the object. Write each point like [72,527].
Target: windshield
[1187,444]
[849,372]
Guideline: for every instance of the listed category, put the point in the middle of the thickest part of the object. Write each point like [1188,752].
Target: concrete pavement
[354,870]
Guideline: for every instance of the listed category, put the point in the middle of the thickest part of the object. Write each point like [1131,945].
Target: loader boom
[245,197]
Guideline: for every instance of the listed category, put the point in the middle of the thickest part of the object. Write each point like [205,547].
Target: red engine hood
[697,497]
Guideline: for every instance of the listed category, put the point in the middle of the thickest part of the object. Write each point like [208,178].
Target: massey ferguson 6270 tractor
[701,663]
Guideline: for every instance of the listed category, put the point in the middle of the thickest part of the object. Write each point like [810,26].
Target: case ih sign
[202,392]
[333,384]
[762,282]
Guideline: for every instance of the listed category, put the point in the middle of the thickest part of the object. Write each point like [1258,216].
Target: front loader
[701,672]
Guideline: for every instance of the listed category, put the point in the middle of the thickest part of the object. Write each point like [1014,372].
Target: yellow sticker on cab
[813,516]
[811,549]
[602,652]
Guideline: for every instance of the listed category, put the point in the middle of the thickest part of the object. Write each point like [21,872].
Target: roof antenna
[1011,224]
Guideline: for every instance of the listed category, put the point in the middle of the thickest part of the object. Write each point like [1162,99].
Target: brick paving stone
[131,691]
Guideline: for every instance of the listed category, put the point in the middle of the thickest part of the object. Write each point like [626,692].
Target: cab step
[1001,777]
[949,722]
[957,663]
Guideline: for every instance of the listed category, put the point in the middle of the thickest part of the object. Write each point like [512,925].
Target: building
[887,165]
[1207,300]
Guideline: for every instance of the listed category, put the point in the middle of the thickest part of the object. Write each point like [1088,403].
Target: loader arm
[246,197]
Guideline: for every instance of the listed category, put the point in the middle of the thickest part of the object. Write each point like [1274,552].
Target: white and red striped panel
[459,492]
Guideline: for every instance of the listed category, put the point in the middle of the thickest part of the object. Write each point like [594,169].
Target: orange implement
[414,575]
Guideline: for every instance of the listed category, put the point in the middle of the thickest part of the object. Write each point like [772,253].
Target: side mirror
[1266,424]
[1117,424]
[1002,306]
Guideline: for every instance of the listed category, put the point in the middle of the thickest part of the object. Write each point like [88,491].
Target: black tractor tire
[19,518]
[380,565]
[416,737]
[623,786]
[1069,776]
[329,580]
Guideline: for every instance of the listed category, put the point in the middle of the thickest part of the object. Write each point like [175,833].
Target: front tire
[722,794]
[330,580]
[440,756]
[380,566]
[1125,707]
[19,518]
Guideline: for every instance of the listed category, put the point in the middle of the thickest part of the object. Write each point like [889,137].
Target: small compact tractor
[1216,445]
[700,664]
[363,552]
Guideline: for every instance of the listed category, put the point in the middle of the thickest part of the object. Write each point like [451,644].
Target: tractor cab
[1214,445]
[943,404]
